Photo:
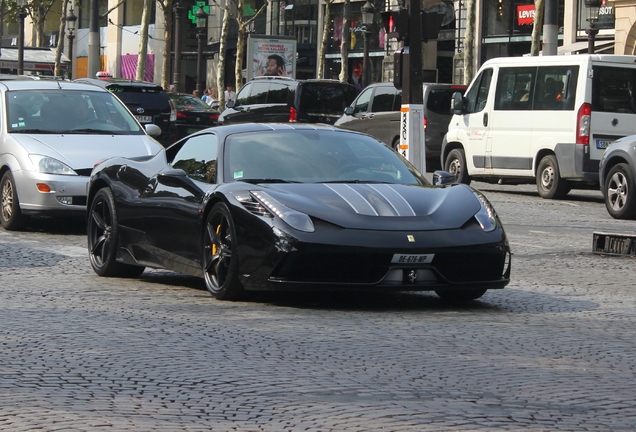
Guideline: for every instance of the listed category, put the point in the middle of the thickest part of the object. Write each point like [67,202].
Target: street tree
[166,9]
[60,44]
[344,46]
[536,27]
[325,37]
[243,24]
[469,42]
[143,39]
[220,78]
[37,10]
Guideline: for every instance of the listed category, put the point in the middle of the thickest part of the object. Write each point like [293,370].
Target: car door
[357,120]
[241,111]
[383,122]
[173,200]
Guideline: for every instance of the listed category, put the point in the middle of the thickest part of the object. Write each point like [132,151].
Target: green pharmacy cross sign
[193,10]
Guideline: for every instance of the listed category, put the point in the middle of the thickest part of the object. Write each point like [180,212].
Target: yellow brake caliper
[218,230]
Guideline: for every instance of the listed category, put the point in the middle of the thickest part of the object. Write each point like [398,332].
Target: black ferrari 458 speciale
[293,207]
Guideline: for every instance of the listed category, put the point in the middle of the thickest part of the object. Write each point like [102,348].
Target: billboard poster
[271,56]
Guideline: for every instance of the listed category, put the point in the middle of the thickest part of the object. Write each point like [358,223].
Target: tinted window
[188,103]
[384,99]
[325,98]
[150,97]
[258,95]
[243,95]
[362,104]
[278,93]
[556,88]
[439,100]
[197,157]
[515,89]
[613,90]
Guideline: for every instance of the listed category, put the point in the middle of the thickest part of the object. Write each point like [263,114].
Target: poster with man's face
[271,57]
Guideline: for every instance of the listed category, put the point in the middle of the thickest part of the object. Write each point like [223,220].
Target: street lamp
[176,78]
[368,12]
[202,24]
[71,20]
[593,8]
[22,14]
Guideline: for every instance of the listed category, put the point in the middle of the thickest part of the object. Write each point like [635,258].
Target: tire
[620,192]
[460,296]
[549,182]
[220,258]
[103,238]
[456,165]
[11,216]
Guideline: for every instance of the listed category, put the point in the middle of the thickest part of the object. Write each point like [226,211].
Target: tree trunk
[60,42]
[325,37]
[469,42]
[220,80]
[166,8]
[539,6]
[344,46]
[240,41]
[143,39]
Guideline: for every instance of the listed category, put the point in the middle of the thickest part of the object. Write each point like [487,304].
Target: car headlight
[49,165]
[486,215]
[293,218]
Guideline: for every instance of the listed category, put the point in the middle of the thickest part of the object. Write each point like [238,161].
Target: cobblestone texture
[554,351]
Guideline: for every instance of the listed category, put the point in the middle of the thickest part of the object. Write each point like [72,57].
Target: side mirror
[441,178]
[230,104]
[457,103]
[348,110]
[152,130]
[177,178]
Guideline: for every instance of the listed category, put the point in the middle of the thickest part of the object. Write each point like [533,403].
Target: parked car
[376,111]
[51,136]
[148,102]
[617,177]
[279,99]
[192,114]
[288,207]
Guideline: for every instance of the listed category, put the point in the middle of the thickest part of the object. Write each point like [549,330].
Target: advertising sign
[525,14]
[271,56]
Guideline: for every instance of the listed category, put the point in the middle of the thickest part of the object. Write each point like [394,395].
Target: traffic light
[396,23]
[431,23]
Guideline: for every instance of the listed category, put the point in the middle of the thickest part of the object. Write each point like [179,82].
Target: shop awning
[35,59]
[600,47]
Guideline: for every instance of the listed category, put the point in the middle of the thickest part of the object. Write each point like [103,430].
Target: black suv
[148,102]
[280,99]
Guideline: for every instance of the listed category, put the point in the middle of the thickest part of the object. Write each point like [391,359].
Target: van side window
[515,89]
[551,91]
[362,104]
[383,99]
[477,96]
[258,94]
[613,90]
[278,93]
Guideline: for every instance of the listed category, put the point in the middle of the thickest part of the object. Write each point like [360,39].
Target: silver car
[617,178]
[52,133]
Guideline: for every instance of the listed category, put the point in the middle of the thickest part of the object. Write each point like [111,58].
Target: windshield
[68,111]
[189,103]
[315,156]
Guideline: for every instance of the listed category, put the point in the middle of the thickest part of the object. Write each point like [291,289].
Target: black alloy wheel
[11,216]
[220,257]
[102,231]
[620,193]
[456,165]
[549,182]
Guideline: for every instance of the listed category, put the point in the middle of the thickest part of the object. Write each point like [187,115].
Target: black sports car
[293,206]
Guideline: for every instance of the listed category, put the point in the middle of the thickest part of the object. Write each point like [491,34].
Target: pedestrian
[206,96]
[229,94]
[213,97]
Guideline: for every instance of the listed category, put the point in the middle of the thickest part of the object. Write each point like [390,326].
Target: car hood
[380,206]
[84,151]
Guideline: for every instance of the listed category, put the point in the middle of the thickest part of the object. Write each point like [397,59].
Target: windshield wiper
[265,180]
[92,131]
[358,181]
[35,131]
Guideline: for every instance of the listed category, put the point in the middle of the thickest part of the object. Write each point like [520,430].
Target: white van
[546,119]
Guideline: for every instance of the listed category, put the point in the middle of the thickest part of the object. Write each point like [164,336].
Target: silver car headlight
[293,218]
[49,165]
[486,215]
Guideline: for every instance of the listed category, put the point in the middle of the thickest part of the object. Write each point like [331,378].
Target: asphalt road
[554,351]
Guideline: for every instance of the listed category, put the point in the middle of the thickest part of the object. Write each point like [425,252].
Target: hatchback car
[192,114]
[376,111]
[617,177]
[280,99]
[148,102]
[52,135]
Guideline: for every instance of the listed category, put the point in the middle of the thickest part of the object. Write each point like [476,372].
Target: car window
[197,157]
[614,90]
[277,93]
[477,96]
[188,103]
[362,104]
[153,97]
[556,88]
[384,98]
[243,95]
[258,95]
[439,100]
[69,111]
[326,98]
[515,88]
[313,156]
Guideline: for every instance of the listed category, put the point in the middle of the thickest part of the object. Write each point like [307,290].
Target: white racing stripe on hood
[392,202]
[357,202]
[393,197]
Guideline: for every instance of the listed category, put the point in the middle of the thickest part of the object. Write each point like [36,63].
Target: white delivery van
[541,119]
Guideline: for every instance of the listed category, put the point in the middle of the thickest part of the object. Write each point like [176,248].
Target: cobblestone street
[554,351]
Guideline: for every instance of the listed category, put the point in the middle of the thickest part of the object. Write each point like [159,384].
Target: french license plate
[144,119]
[603,144]
[412,258]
